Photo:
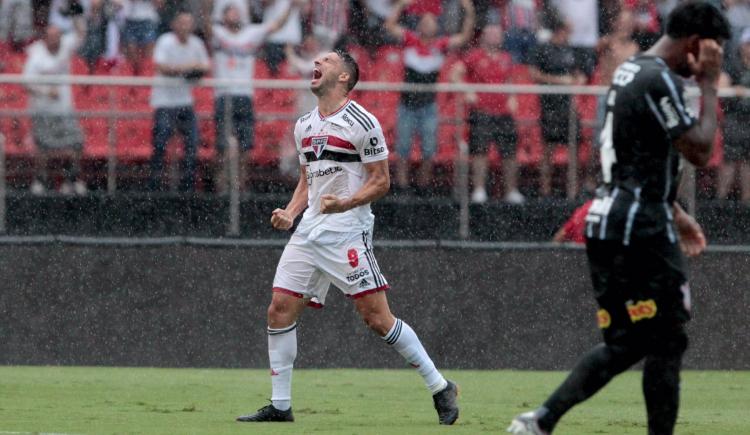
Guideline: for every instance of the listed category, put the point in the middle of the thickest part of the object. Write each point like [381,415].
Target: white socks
[406,342]
[282,350]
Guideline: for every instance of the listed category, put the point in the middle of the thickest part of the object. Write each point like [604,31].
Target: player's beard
[324,86]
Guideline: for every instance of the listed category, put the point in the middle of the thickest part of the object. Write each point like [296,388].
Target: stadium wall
[199,305]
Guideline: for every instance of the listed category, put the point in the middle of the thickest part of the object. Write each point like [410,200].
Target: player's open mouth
[317,74]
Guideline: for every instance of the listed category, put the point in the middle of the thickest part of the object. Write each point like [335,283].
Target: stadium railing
[111,110]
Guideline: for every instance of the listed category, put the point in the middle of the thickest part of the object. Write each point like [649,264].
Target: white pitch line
[6,432]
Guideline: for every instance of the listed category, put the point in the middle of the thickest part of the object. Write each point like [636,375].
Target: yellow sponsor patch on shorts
[641,310]
[603,318]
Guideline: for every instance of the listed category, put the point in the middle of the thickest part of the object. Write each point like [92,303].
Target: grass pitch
[93,400]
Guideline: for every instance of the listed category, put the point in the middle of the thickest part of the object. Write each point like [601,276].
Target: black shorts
[555,125]
[641,289]
[485,129]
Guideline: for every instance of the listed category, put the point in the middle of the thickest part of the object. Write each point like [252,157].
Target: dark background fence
[203,304]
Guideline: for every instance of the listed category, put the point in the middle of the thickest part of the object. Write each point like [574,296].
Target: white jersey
[334,149]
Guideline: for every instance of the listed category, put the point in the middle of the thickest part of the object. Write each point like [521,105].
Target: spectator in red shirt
[491,114]
[573,229]
[424,55]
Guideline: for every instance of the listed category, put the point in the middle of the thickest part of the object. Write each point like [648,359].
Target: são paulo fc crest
[353,257]
[318,144]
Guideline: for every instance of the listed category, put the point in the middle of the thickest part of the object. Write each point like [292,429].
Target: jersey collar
[337,111]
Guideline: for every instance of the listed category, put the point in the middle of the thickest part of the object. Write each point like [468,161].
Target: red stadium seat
[96,134]
[133,139]
[13,96]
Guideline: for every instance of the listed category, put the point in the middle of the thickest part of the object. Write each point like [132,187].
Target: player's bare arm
[283,218]
[697,143]
[467,28]
[377,185]
[692,239]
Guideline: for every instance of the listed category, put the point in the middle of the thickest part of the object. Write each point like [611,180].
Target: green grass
[90,400]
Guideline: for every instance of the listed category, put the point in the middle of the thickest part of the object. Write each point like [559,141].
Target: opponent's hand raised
[707,68]
[281,220]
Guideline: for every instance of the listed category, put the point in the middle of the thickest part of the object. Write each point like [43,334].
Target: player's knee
[376,321]
[279,315]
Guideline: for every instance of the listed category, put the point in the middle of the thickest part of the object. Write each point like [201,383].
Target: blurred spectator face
[625,23]
[561,34]
[183,25]
[232,17]
[310,44]
[328,68]
[492,36]
[52,36]
[428,26]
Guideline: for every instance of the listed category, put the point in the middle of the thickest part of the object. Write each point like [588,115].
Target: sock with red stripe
[282,350]
[406,342]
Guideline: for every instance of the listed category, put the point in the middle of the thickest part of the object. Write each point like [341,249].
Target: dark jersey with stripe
[646,112]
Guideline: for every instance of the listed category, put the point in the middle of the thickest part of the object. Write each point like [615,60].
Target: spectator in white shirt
[182,55]
[235,46]
[16,22]
[139,31]
[54,124]
[582,17]
[63,13]
[289,33]
[220,7]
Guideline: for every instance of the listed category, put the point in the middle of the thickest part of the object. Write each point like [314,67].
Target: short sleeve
[666,100]
[160,50]
[202,52]
[372,146]
[298,143]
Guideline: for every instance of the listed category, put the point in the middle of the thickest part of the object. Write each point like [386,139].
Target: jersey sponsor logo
[374,141]
[603,318]
[323,173]
[641,310]
[364,283]
[305,117]
[625,73]
[372,152]
[348,120]
[309,128]
[670,113]
[357,274]
[318,144]
[353,257]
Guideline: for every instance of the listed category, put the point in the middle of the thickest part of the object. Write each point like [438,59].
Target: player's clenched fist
[333,204]
[281,220]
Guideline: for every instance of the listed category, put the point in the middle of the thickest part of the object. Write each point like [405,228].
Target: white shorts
[307,268]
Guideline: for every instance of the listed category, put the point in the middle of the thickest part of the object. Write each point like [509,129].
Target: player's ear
[344,77]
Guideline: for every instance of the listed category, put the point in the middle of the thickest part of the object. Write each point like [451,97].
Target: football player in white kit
[343,168]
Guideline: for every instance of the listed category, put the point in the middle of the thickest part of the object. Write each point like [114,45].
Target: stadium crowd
[68,136]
